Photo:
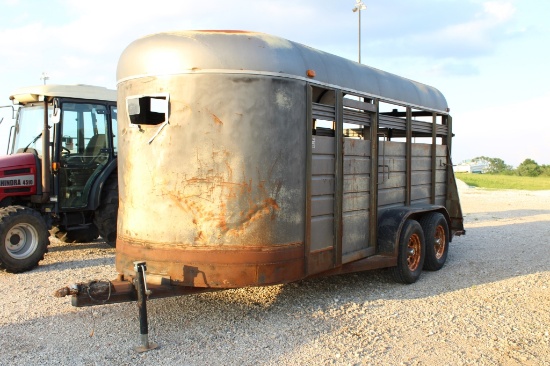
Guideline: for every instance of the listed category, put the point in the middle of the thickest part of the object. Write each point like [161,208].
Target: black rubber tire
[76,236]
[411,252]
[24,238]
[105,215]
[436,235]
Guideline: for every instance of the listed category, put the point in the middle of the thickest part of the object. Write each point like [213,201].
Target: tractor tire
[436,233]
[84,235]
[411,253]
[24,238]
[105,215]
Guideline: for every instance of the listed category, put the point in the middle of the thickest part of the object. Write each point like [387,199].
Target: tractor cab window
[84,150]
[84,129]
[28,129]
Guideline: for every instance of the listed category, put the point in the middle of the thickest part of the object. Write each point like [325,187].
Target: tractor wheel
[105,215]
[410,256]
[24,238]
[84,235]
[436,233]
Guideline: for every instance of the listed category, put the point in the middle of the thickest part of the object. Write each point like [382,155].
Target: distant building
[470,166]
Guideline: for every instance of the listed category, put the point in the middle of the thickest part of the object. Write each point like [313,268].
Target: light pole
[44,77]
[359,5]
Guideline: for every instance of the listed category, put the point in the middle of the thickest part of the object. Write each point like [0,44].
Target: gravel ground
[489,305]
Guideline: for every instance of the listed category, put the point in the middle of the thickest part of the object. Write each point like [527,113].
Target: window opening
[357,116]
[323,111]
[148,110]
[392,122]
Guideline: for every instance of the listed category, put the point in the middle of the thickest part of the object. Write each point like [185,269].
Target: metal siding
[322,205]
[356,198]
[355,234]
[322,232]
[322,189]
[215,177]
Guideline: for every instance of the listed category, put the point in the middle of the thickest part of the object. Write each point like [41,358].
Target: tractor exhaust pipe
[46,159]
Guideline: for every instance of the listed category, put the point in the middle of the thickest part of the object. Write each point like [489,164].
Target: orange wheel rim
[439,242]
[414,252]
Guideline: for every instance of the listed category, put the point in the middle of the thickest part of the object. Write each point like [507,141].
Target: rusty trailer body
[247,160]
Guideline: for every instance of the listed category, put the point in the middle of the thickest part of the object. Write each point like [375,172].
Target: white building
[471,167]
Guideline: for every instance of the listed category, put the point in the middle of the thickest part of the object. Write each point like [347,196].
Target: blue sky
[489,58]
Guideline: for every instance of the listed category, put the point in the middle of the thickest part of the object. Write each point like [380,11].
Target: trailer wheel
[85,235]
[24,238]
[436,233]
[411,252]
[105,215]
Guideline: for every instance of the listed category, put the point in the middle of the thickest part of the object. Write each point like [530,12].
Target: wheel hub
[413,252]
[15,239]
[21,241]
[439,242]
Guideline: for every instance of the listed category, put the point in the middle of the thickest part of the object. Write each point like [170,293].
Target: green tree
[545,170]
[529,168]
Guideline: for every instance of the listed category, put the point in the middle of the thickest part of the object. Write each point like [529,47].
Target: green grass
[497,181]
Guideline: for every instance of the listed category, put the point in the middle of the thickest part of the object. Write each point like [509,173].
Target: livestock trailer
[246,159]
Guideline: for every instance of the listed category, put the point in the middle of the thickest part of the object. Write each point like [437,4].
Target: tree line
[528,168]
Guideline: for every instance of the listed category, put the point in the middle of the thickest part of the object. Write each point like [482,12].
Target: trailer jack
[142,294]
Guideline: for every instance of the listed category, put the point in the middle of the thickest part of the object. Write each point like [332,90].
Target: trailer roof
[259,53]
[37,93]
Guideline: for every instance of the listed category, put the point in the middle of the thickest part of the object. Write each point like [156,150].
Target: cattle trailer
[246,159]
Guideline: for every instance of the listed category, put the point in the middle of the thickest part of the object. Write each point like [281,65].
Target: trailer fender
[97,188]
[391,221]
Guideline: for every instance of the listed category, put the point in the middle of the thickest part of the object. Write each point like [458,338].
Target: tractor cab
[62,162]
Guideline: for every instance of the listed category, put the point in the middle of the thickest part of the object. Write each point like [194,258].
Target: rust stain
[254,213]
[199,237]
[221,209]
[216,119]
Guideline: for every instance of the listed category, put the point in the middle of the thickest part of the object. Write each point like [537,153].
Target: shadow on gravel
[492,215]
[218,326]
[485,255]
[77,246]
[69,265]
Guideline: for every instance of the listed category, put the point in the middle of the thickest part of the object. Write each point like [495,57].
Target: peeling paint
[283,100]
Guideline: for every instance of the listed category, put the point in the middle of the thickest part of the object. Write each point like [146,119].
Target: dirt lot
[490,305]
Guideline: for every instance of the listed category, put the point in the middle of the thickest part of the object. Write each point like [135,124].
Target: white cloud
[501,11]
[477,30]
[494,14]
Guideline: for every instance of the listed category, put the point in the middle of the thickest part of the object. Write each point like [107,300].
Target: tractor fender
[391,220]
[97,188]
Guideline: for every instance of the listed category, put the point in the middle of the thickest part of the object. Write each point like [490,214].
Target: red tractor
[60,176]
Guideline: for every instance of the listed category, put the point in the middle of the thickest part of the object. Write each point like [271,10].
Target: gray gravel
[490,305]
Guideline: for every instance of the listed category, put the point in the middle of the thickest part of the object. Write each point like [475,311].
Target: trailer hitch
[125,289]
[99,292]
